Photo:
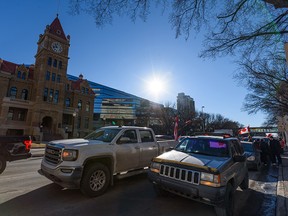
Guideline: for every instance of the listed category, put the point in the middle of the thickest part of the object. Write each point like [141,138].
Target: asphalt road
[24,192]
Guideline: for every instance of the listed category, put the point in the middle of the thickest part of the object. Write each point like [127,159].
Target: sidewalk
[282,187]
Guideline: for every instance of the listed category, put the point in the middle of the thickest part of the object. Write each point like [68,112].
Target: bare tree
[266,79]
[239,26]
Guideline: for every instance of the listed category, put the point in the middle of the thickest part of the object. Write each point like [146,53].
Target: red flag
[176,128]
[244,130]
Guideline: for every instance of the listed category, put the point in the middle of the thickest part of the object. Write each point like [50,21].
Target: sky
[128,56]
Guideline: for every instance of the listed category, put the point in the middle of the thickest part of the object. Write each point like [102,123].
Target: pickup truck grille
[180,174]
[53,154]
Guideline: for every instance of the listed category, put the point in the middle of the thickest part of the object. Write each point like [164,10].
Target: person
[282,143]
[275,149]
[264,147]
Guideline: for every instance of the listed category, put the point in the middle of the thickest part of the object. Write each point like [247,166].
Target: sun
[156,85]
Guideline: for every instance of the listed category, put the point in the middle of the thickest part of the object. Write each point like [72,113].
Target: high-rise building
[185,106]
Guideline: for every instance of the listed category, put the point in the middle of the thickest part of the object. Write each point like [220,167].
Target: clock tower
[50,75]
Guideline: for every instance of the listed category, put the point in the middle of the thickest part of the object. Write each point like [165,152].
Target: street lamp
[203,118]
[73,121]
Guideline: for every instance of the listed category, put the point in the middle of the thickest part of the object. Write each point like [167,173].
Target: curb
[282,188]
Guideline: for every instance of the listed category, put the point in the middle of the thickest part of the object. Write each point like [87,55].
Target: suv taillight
[28,144]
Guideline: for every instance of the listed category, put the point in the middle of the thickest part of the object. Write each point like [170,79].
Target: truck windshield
[211,147]
[104,135]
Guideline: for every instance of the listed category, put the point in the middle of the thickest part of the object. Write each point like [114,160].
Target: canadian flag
[176,128]
[244,130]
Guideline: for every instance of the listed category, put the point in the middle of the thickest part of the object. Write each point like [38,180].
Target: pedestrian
[282,143]
[275,149]
[265,151]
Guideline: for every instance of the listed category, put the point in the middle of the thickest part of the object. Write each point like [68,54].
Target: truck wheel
[228,206]
[2,164]
[95,180]
[245,183]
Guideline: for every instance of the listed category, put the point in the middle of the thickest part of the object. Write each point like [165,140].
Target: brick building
[39,99]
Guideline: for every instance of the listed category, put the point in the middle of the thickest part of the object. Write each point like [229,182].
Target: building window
[19,74]
[45,94]
[10,114]
[13,92]
[56,96]
[60,65]
[49,62]
[87,91]
[79,122]
[51,95]
[58,78]
[86,123]
[24,94]
[83,90]
[55,63]
[67,102]
[48,75]
[87,108]
[24,76]
[80,105]
[67,87]
[53,77]
[17,114]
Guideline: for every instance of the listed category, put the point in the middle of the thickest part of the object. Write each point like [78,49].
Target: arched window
[80,104]
[60,65]
[19,74]
[55,63]
[67,102]
[13,92]
[58,78]
[23,76]
[24,94]
[47,75]
[49,62]
[56,96]
[87,108]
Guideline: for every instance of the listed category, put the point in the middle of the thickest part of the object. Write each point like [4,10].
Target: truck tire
[95,180]
[228,205]
[2,164]
[245,183]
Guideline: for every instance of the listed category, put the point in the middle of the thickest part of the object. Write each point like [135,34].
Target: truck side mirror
[124,140]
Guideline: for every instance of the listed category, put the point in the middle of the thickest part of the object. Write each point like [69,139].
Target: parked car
[92,163]
[206,169]
[253,155]
[14,148]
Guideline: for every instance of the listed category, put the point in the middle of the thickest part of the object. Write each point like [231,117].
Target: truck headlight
[69,154]
[210,179]
[251,158]
[155,167]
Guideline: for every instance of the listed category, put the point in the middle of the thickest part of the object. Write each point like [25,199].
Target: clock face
[56,47]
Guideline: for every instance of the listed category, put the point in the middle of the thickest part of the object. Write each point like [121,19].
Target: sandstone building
[39,99]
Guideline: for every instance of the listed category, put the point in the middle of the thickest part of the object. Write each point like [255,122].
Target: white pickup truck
[92,163]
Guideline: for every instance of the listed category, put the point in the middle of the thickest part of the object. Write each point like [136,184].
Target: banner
[176,128]
[245,130]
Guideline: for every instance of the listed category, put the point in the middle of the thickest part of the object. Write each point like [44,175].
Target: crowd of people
[270,150]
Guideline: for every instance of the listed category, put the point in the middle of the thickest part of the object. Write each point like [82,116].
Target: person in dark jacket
[275,149]
[265,151]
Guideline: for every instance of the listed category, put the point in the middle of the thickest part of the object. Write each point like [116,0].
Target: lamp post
[73,121]
[203,118]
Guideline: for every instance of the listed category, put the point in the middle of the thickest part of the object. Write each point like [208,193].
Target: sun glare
[156,85]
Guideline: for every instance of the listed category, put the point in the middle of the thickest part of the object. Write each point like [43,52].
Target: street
[24,192]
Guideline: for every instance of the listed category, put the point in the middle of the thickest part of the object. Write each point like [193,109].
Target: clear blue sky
[127,55]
